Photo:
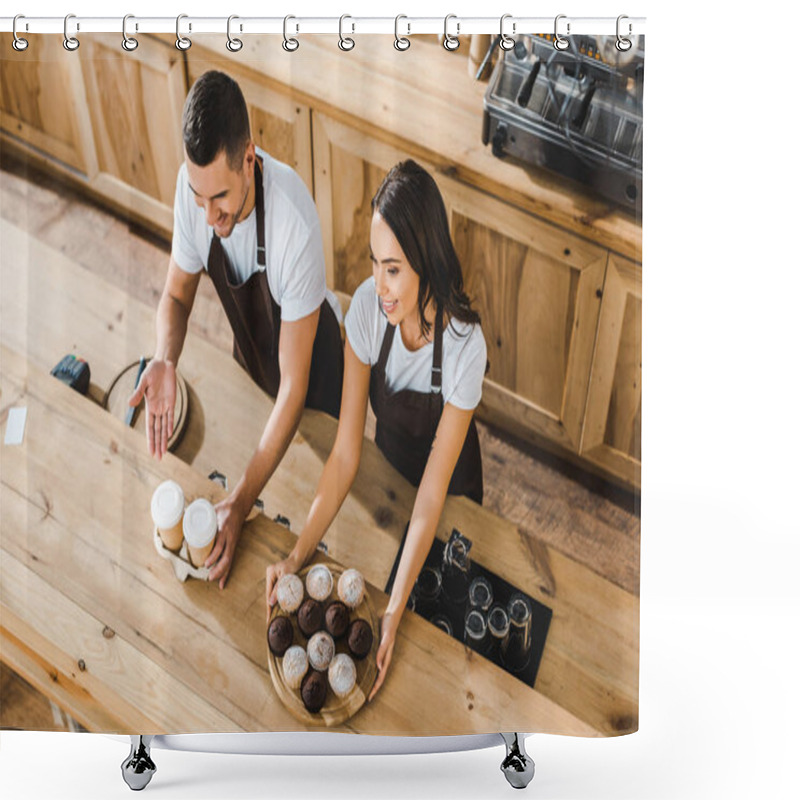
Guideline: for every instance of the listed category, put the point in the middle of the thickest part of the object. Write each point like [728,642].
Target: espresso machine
[576,112]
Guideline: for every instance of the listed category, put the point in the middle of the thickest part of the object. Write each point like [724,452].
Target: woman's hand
[275,572]
[229,527]
[389,624]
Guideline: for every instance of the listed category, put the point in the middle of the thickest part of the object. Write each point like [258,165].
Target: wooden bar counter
[94,618]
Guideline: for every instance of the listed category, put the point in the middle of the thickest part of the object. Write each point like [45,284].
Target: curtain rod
[404,25]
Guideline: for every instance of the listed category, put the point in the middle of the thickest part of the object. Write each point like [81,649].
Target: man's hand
[229,527]
[158,387]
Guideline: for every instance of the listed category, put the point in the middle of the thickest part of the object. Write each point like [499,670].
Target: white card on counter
[15,427]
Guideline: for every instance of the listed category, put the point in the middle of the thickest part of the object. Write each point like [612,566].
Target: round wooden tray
[122,388]
[337,710]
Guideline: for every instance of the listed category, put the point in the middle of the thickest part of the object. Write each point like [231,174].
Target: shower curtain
[517,616]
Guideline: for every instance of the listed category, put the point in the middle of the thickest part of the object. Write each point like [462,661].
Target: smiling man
[250,222]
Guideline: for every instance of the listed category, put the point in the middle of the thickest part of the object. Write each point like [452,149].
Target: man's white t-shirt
[295,262]
[463,352]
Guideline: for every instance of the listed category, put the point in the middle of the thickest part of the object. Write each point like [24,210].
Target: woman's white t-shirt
[463,352]
[295,264]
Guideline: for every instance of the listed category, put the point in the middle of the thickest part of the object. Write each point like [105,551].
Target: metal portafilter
[497,623]
[515,651]
[456,567]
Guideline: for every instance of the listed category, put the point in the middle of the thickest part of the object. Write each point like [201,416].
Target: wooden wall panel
[612,432]
[43,103]
[135,102]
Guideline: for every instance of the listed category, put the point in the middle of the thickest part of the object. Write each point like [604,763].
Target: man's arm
[294,357]
[157,384]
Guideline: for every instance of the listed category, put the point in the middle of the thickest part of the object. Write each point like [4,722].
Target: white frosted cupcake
[290,593]
[321,650]
[295,666]
[342,674]
[319,582]
[351,588]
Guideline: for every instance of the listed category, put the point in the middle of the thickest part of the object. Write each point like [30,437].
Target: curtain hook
[559,42]
[451,42]
[129,43]
[400,42]
[181,42]
[346,43]
[623,44]
[290,45]
[19,44]
[70,42]
[507,42]
[234,45]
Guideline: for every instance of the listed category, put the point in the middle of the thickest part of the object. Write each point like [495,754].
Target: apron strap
[436,371]
[261,251]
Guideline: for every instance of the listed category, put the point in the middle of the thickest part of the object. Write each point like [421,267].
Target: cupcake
[337,618]
[359,638]
[351,588]
[319,582]
[309,617]
[321,650]
[342,674]
[290,593]
[280,635]
[313,691]
[295,666]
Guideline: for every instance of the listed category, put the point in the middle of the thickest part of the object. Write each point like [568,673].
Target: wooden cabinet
[279,124]
[42,101]
[537,287]
[135,101]
[612,433]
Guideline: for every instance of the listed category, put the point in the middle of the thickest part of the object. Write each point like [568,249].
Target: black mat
[503,590]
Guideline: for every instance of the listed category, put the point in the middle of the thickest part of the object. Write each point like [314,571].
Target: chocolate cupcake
[337,618]
[314,690]
[359,638]
[309,617]
[280,635]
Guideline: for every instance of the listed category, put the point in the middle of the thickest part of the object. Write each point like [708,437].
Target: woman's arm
[339,471]
[450,435]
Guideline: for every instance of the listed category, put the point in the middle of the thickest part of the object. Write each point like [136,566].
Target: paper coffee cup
[200,530]
[166,509]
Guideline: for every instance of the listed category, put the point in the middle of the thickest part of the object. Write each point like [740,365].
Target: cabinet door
[42,101]
[612,436]
[278,123]
[536,286]
[135,101]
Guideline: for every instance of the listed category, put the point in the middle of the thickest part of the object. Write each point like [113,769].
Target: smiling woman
[420,357]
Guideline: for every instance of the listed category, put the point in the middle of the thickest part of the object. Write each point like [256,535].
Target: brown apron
[407,421]
[255,318]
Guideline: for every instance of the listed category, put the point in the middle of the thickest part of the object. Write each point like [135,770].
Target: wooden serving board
[122,388]
[337,710]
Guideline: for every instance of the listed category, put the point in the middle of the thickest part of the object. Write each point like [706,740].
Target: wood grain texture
[135,103]
[612,432]
[98,576]
[42,101]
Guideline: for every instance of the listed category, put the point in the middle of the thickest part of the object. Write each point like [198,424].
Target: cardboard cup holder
[181,565]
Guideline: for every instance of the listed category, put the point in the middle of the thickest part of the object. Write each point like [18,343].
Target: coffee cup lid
[166,505]
[199,523]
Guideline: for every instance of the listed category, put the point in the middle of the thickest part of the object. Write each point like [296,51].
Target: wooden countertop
[89,587]
[372,88]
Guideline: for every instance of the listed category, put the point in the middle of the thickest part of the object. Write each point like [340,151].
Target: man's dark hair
[215,118]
